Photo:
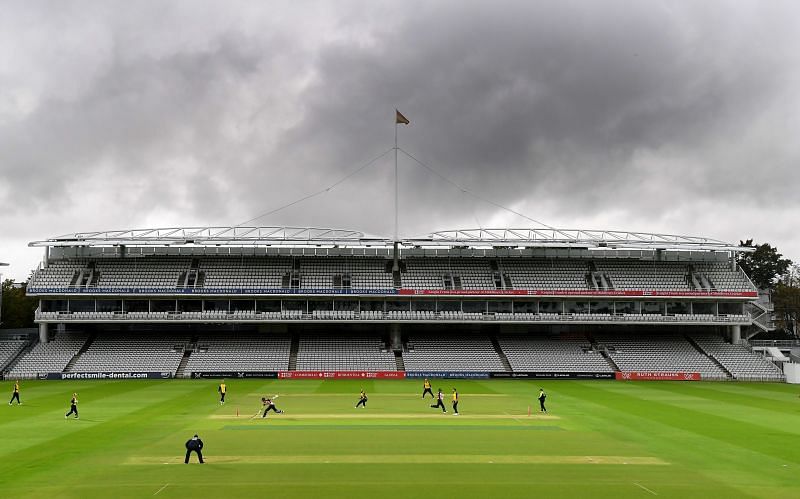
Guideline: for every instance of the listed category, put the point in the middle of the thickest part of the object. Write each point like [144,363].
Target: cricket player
[268,405]
[15,394]
[455,402]
[73,406]
[194,444]
[542,397]
[426,388]
[222,389]
[440,401]
[362,399]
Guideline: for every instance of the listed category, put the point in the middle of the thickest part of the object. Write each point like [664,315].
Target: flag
[399,118]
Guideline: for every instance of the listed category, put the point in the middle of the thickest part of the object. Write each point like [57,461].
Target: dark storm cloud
[663,116]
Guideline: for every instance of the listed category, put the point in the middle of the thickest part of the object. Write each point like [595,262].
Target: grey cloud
[662,116]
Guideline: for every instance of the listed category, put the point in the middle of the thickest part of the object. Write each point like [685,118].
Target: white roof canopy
[312,236]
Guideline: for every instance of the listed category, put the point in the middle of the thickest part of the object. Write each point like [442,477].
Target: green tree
[764,265]
[18,309]
[786,299]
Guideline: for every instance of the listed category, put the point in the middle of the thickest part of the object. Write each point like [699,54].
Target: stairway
[180,372]
[711,357]
[398,360]
[604,353]
[503,358]
[293,352]
[74,359]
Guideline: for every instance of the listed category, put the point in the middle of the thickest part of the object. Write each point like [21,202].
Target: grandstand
[188,301]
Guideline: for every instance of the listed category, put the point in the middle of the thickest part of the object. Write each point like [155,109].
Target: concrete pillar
[43,336]
[395,338]
[736,334]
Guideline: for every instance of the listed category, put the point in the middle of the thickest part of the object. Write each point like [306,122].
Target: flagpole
[395,266]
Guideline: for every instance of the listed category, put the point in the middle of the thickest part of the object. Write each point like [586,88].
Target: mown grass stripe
[407,459]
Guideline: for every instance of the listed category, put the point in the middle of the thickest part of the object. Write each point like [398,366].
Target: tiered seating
[451,353]
[240,352]
[365,273]
[546,354]
[133,352]
[57,274]
[49,357]
[665,353]
[348,352]
[741,362]
[546,274]
[429,273]
[244,272]
[9,349]
[635,274]
[723,278]
[162,272]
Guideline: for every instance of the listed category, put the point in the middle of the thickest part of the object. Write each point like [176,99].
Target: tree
[764,265]
[786,299]
[18,309]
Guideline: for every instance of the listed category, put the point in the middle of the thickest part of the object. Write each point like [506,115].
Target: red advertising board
[656,376]
[341,374]
[577,292]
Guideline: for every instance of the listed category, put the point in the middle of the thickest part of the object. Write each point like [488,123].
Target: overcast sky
[675,116]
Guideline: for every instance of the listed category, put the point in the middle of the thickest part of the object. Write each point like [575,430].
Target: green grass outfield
[601,439]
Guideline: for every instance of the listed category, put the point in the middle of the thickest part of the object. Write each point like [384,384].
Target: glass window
[423,305]
[501,307]
[398,305]
[653,307]
[190,305]
[136,305]
[81,305]
[268,305]
[526,307]
[372,305]
[320,305]
[576,307]
[728,308]
[109,305]
[601,307]
[626,307]
[704,307]
[550,307]
[474,306]
[448,306]
[54,306]
[162,305]
[216,305]
[295,305]
[351,305]
[243,305]
[677,307]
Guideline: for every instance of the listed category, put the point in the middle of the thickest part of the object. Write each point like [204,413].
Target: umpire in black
[194,444]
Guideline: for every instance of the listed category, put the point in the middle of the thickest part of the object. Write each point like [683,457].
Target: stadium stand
[9,349]
[502,300]
[741,362]
[49,357]
[141,352]
[370,273]
[452,353]
[552,354]
[246,352]
[664,353]
[343,352]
